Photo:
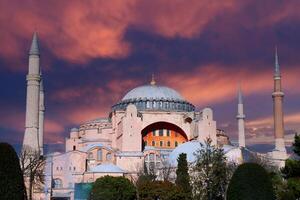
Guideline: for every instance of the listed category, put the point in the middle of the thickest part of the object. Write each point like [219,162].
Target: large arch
[163,135]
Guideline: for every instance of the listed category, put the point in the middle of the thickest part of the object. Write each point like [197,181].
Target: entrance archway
[163,135]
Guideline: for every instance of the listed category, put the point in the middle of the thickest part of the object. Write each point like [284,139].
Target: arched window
[57,183]
[176,143]
[169,143]
[108,156]
[161,143]
[153,143]
[99,154]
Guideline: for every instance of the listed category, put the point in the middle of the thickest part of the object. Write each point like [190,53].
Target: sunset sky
[93,52]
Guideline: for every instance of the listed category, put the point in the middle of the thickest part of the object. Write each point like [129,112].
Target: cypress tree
[296,144]
[250,181]
[11,177]
[182,175]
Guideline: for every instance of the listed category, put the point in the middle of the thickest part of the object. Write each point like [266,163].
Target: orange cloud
[214,83]
[79,31]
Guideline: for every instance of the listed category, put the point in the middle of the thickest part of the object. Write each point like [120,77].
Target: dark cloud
[200,48]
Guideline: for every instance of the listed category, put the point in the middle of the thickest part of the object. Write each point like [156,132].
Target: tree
[291,173]
[296,144]
[113,188]
[210,173]
[11,178]
[159,190]
[32,166]
[182,175]
[250,181]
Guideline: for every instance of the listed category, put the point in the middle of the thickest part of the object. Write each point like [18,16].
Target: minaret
[277,108]
[41,117]
[32,98]
[241,119]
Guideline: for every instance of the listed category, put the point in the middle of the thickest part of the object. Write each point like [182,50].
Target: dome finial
[153,82]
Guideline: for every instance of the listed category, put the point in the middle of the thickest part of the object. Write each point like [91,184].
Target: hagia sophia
[149,127]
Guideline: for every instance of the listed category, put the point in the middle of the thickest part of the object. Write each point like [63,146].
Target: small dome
[153,92]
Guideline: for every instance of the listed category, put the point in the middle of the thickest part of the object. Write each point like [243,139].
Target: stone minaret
[41,117]
[241,119]
[277,108]
[31,138]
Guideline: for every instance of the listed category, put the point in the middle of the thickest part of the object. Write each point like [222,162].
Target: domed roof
[153,92]
[232,153]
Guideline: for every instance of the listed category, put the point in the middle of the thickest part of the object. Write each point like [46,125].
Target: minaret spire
[241,119]
[31,136]
[277,67]
[153,82]
[34,49]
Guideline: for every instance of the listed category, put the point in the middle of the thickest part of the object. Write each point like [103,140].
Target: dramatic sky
[93,52]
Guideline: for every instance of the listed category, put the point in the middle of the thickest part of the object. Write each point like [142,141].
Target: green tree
[291,173]
[250,181]
[113,188]
[210,173]
[11,178]
[296,144]
[159,190]
[182,175]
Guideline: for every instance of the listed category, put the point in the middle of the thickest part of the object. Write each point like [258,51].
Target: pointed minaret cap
[153,82]
[240,95]
[34,49]
[277,69]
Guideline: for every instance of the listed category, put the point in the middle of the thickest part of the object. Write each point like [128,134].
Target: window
[57,183]
[90,155]
[151,157]
[161,132]
[161,143]
[153,143]
[169,143]
[153,133]
[99,154]
[108,156]
[168,133]
[74,168]
[74,147]
[176,143]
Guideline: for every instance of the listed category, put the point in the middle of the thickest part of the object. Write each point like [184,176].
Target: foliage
[113,188]
[296,144]
[11,178]
[182,175]
[210,173]
[291,169]
[291,173]
[162,190]
[32,166]
[250,181]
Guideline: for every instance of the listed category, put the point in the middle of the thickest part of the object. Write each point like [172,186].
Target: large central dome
[153,92]
[154,97]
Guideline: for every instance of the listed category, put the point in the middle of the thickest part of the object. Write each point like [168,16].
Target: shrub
[250,181]
[113,188]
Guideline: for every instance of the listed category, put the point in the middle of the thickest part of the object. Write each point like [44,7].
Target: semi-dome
[232,153]
[154,97]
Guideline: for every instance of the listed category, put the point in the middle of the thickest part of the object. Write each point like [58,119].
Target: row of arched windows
[100,155]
